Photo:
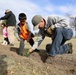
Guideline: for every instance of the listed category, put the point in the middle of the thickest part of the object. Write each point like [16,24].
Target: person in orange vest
[23,33]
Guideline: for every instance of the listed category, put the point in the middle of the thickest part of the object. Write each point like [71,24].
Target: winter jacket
[10,19]
[57,21]
[23,32]
[5,34]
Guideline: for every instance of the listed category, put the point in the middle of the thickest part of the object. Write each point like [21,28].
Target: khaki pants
[11,35]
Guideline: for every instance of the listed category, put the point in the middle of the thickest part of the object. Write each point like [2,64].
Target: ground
[13,64]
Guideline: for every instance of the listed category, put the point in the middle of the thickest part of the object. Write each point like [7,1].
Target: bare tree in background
[72,20]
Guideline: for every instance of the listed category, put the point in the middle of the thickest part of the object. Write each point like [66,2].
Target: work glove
[30,50]
[51,29]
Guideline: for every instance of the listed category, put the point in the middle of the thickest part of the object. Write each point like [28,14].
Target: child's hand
[18,39]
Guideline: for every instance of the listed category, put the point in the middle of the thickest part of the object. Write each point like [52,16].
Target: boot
[70,51]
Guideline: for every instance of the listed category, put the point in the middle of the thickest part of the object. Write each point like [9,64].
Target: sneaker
[70,51]
[20,53]
[4,43]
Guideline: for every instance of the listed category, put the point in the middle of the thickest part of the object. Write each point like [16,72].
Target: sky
[38,7]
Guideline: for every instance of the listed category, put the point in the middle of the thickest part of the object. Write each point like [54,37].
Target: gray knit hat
[36,20]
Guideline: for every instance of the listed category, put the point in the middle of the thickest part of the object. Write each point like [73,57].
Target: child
[23,33]
[5,34]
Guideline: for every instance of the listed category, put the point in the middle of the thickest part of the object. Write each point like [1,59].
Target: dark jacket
[10,19]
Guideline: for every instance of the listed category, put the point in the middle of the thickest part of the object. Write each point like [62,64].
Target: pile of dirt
[13,64]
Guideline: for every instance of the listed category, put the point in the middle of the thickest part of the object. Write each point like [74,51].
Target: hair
[22,16]
[6,11]
[3,24]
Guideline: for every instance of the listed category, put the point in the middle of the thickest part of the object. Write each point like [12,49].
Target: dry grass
[43,44]
[48,40]
[13,64]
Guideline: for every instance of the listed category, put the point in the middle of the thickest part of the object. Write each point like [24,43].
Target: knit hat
[22,16]
[36,20]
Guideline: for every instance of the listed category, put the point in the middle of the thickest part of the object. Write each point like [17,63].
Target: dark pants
[21,46]
[6,39]
[61,35]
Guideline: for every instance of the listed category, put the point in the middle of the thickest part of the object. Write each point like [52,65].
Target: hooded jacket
[56,21]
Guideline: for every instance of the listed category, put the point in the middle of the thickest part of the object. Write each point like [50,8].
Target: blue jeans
[61,35]
[21,46]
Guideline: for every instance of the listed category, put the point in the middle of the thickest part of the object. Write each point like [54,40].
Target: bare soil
[13,64]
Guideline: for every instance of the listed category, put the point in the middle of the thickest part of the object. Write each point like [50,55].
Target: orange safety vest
[23,31]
